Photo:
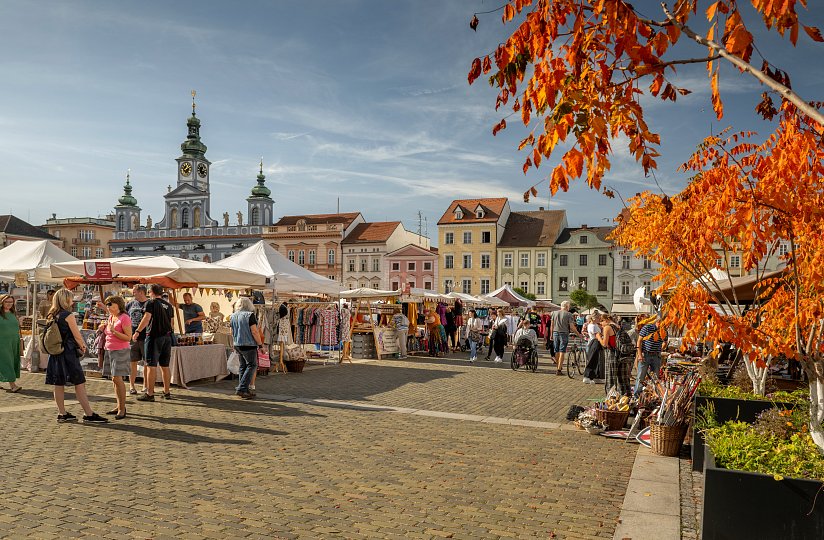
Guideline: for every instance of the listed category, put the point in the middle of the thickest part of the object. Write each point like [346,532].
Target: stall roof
[369,293]
[509,296]
[289,277]
[33,257]
[180,270]
[619,308]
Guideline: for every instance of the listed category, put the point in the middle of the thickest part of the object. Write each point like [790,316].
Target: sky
[361,103]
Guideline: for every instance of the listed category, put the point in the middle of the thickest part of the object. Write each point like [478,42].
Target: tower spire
[194,93]
[260,190]
[193,146]
[127,199]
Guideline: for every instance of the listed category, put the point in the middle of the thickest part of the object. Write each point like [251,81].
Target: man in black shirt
[157,317]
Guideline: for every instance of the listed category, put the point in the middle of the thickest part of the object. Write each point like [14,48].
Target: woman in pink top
[118,331]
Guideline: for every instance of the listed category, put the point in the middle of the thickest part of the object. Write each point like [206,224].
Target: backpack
[50,339]
[625,345]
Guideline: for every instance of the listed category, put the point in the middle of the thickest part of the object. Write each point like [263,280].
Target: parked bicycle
[576,358]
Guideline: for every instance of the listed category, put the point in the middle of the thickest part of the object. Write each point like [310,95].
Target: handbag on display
[263,360]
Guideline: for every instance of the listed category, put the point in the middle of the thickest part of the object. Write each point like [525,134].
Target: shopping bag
[263,359]
[233,363]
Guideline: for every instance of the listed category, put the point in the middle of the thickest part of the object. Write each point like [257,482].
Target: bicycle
[576,358]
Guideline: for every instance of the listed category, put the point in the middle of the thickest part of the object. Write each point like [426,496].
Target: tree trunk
[758,375]
[815,373]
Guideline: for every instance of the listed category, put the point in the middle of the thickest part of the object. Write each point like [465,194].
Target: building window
[563,260]
[427,285]
[333,278]
[330,257]
[602,260]
[486,237]
[86,235]
[447,286]
[292,255]
[563,284]
[582,260]
[363,265]
[507,260]
[352,264]
[184,218]
[448,261]
[735,261]
[396,266]
[625,288]
[449,238]
[121,223]
[524,260]
[783,249]
[647,263]
[540,289]
[376,265]
[98,253]
[74,252]
[582,283]
[87,252]
[466,285]
[312,257]
[411,284]
[508,283]
[255,217]
[719,262]
[427,265]
[625,261]
[646,285]
[485,261]
[467,237]
[410,266]
[602,283]
[301,257]
[467,261]
[484,286]
[395,286]
[525,286]
[584,239]
[541,260]
[458,214]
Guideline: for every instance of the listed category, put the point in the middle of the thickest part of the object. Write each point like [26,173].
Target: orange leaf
[536,157]
[498,127]
[717,106]
[475,71]
[533,191]
[509,13]
[574,162]
[814,33]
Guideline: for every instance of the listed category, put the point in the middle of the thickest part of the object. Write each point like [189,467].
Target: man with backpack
[651,339]
[157,318]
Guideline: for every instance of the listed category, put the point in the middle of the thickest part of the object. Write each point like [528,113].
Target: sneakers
[472,360]
[94,418]
[245,395]
[167,395]
[587,380]
[145,397]
[68,417]
[498,360]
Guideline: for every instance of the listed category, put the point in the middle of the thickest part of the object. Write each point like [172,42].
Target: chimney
[584,226]
[540,208]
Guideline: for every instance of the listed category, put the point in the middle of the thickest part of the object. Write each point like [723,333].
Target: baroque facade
[187,228]
[365,250]
[83,237]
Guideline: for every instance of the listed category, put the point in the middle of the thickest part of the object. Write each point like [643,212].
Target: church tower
[127,213]
[259,202]
[188,204]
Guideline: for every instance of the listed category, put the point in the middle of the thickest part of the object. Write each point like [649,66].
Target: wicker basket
[294,366]
[666,440]
[613,420]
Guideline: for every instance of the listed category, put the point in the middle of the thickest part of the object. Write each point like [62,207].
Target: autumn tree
[745,198]
[575,71]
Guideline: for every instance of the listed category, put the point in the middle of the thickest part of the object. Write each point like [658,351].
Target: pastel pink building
[413,266]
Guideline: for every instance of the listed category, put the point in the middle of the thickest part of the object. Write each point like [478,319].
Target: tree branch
[746,67]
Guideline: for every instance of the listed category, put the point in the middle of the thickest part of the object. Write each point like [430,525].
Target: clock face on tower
[202,170]
[185,168]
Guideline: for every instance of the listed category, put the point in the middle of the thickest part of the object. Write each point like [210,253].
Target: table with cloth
[198,362]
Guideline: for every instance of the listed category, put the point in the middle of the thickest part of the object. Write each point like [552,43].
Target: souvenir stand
[285,280]
[26,264]
[371,331]
[191,359]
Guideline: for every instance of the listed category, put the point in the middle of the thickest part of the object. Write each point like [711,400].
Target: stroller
[524,355]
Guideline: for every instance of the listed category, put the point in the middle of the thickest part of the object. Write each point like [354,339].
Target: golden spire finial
[194,93]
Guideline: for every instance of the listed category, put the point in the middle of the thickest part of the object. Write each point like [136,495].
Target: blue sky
[362,100]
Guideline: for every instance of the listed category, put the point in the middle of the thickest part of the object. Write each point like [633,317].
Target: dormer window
[458,213]
[479,212]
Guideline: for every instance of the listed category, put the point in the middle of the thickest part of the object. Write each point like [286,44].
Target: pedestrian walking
[65,368]
[474,327]
[562,323]
[135,308]
[246,340]
[118,332]
[157,321]
[11,346]
[451,329]
[594,350]
[500,335]
[616,372]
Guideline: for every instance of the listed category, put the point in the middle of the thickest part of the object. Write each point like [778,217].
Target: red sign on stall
[98,270]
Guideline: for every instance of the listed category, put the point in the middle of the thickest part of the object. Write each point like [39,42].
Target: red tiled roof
[492,211]
[538,228]
[379,231]
[319,219]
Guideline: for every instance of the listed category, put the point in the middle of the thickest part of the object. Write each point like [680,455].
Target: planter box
[744,410]
[744,505]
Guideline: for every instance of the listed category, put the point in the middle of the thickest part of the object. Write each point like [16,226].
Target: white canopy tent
[288,277]
[369,293]
[509,296]
[165,266]
[32,257]
[494,301]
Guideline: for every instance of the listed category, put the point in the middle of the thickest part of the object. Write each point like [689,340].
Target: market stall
[372,333]
[26,264]
[199,359]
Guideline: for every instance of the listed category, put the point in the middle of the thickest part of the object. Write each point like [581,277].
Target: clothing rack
[323,306]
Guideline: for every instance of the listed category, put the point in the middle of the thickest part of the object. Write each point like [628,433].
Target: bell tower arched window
[254,218]
[184,218]
[121,223]
[173,219]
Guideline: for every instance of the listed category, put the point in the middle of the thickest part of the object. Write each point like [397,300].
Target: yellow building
[83,237]
[468,236]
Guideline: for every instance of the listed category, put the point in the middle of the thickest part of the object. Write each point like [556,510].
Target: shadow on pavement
[177,435]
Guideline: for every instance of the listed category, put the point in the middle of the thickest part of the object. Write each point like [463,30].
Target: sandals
[14,390]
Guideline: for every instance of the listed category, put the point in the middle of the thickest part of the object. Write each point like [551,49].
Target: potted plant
[773,459]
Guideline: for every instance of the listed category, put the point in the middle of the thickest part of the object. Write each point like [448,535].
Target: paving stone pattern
[692,485]
[207,465]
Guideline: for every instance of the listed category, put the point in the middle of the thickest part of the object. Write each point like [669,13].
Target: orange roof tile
[317,219]
[492,211]
[378,231]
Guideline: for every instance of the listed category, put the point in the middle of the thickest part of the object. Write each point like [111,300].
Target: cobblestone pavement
[207,465]
[692,485]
